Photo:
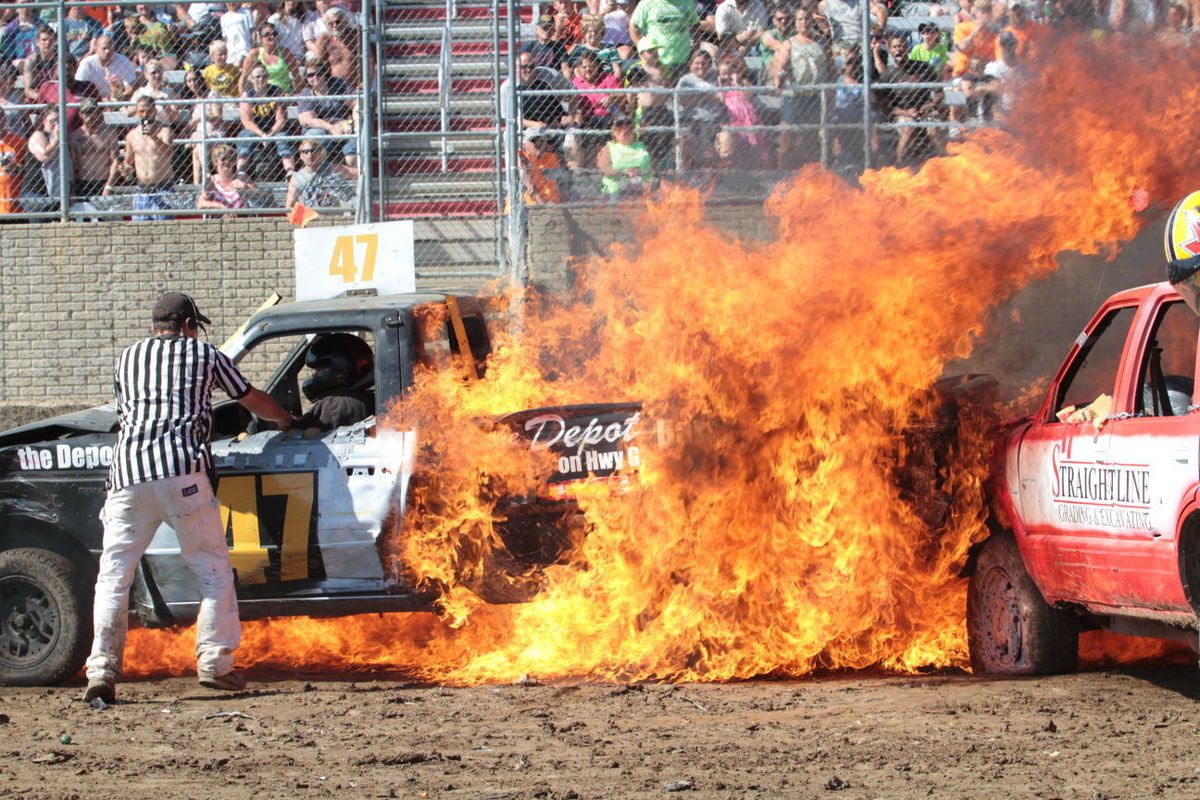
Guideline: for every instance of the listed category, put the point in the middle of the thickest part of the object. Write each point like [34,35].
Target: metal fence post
[64,130]
[512,179]
[868,62]
[498,139]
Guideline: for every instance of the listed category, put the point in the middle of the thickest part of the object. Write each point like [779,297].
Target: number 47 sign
[335,260]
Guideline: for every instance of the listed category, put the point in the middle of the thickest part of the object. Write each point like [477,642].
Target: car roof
[359,311]
[1140,293]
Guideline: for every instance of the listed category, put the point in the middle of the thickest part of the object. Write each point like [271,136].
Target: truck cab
[306,512]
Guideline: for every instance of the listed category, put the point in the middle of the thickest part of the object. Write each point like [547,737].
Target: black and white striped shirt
[163,389]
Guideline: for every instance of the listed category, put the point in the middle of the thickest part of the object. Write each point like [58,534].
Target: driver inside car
[339,387]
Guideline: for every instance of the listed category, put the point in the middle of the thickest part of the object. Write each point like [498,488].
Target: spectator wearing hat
[162,472]
[931,49]
[625,164]
[740,24]
[94,146]
[670,23]
[545,49]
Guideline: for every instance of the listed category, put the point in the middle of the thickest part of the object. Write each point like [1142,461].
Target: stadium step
[448,184]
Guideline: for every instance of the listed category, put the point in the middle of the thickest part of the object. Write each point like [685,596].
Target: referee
[160,473]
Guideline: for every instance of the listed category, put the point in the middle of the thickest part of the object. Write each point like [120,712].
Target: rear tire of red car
[1011,630]
[45,613]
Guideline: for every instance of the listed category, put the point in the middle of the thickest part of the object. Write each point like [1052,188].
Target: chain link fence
[607,106]
[139,111]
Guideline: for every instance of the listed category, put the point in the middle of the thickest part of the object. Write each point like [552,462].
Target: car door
[1062,466]
[302,510]
[1153,461]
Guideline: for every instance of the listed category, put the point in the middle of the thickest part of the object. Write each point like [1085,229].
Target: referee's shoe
[232,681]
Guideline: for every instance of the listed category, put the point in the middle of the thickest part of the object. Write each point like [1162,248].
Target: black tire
[45,617]
[487,568]
[1011,630]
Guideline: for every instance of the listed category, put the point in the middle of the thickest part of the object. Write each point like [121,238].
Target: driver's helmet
[1181,241]
[338,361]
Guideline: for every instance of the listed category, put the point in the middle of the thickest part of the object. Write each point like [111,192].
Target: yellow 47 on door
[243,498]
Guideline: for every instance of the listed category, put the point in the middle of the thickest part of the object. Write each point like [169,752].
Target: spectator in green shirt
[670,22]
[931,49]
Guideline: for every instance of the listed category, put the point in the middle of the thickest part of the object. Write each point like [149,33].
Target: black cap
[176,307]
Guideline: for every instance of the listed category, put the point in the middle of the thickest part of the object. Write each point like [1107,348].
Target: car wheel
[45,614]
[1011,630]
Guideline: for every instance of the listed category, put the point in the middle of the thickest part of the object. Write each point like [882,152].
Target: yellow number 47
[344,262]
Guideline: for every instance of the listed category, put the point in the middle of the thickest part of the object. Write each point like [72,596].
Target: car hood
[98,419]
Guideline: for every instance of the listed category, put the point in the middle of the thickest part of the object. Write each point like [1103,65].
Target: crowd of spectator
[203,100]
[671,86]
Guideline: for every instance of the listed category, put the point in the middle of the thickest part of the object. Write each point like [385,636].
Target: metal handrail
[445,81]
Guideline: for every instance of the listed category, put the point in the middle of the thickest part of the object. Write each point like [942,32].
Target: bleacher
[440,157]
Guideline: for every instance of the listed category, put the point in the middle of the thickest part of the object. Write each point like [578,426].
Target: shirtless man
[148,149]
[339,47]
[94,145]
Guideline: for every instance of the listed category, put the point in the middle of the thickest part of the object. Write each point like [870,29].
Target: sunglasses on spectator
[312,74]
[308,150]
[269,34]
[226,160]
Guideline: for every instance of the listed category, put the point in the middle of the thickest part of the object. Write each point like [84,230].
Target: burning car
[306,515]
[1096,496]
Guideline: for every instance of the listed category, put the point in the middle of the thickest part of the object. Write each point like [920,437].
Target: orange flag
[302,215]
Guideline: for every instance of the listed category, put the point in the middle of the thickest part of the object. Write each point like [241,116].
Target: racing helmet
[338,361]
[1181,243]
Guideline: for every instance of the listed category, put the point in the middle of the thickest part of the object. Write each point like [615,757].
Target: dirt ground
[1118,734]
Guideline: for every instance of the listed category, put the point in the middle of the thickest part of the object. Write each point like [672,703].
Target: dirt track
[1119,734]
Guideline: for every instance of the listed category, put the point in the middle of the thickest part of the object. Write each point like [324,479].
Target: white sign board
[335,260]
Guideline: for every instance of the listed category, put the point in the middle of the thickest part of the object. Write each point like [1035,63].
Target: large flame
[767,536]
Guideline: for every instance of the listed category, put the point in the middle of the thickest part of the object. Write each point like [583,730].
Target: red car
[1096,496]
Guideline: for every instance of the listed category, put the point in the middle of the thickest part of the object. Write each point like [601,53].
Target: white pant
[131,516]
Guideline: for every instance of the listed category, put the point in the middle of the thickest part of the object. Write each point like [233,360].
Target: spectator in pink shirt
[594,109]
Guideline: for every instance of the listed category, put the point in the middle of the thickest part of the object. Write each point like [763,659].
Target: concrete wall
[73,295]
